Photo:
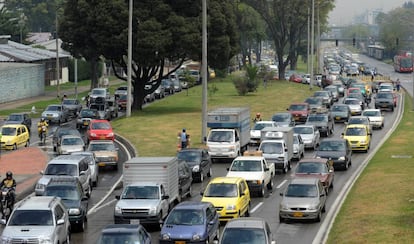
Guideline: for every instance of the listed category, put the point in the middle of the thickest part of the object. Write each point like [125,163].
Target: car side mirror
[201,193]
[42,172]
[228,169]
[281,194]
[266,169]
[165,197]
[117,197]
[3,222]
[60,222]
[242,194]
[322,195]
[161,222]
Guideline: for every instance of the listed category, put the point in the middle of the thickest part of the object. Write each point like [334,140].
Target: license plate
[179,242]
[101,164]
[85,123]
[297,214]
[102,137]
[134,221]
[337,117]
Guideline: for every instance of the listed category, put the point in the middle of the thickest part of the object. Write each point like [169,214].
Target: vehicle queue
[360,144]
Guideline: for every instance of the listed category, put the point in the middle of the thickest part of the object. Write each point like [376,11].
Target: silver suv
[69,165]
[47,214]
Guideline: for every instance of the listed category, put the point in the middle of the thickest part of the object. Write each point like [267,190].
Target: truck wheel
[209,174]
[262,191]
[270,184]
[285,169]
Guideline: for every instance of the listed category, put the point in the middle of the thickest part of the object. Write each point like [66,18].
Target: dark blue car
[191,222]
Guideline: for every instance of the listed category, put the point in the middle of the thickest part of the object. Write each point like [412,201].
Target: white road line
[95,209]
[281,184]
[256,207]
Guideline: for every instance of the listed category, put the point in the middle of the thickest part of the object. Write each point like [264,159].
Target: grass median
[380,206]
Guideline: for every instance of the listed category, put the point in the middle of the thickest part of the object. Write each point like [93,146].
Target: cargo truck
[150,190]
[229,133]
[277,146]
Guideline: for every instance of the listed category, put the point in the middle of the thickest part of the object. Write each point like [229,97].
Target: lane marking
[281,184]
[256,207]
[96,209]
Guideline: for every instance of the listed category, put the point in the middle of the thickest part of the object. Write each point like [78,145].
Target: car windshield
[65,192]
[280,117]
[119,237]
[15,117]
[185,217]
[352,121]
[351,102]
[246,165]
[189,156]
[339,108]
[101,147]
[61,169]
[271,148]
[301,190]
[314,101]
[244,236]
[54,108]
[69,102]
[62,132]
[384,95]
[101,126]
[31,217]
[372,113]
[260,126]
[311,168]
[356,132]
[221,190]
[88,113]
[317,118]
[331,146]
[8,131]
[221,136]
[71,141]
[303,130]
[140,192]
[321,94]
[298,107]
[98,92]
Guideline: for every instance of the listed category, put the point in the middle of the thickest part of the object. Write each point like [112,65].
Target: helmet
[258,115]
[42,119]
[9,174]
[183,129]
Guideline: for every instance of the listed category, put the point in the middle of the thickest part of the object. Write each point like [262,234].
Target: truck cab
[223,143]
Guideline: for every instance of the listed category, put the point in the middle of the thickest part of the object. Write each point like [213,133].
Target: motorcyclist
[40,124]
[10,184]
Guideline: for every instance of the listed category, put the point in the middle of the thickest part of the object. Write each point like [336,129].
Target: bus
[403,64]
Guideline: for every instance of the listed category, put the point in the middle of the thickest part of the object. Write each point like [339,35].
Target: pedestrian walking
[184,138]
[398,84]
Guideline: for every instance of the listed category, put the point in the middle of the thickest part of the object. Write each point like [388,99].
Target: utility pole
[57,56]
[204,72]
[129,89]
[312,43]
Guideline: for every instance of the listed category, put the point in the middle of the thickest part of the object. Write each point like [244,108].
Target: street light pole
[129,89]
[204,72]
[57,57]
[312,43]
[308,45]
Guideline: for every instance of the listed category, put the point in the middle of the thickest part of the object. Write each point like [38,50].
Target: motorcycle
[6,203]
[42,134]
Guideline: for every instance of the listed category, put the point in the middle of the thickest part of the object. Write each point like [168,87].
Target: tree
[10,24]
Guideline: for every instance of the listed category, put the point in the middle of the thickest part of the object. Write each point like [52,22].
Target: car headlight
[118,210]
[196,237]
[313,207]
[231,207]
[165,236]
[111,134]
[284,207]
[93,134]
[152,211]
[40,187]
[45,240]
[74,211]
[363,141]
[196,168]
[9,142]
[341,158]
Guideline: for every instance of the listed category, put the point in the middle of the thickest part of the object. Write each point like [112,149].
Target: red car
[100,129]
[299,111]
[320,168]
[295,78]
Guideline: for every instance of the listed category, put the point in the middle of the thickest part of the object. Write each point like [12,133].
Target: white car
[298,147]
[93,165]
[354,105]
[70,143]
[310,135]
[376,117]
[255,132]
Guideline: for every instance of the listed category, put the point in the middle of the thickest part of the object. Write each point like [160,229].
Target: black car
[199,160]
[61,131]
[168,86]
[185,179]
[384,100]
[70,190]
[340,112]
[85,116]
[19,118]
[124,233]
[323,121]
[336,149]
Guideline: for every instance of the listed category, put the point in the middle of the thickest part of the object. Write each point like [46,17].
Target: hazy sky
[345,10]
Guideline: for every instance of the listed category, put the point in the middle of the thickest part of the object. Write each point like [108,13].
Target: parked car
[247,230]
[177,85]
[168,86]
[312,202]
[73,105]
[229,195]
[160,92]
[56,113]
[284,119]
[61,131]
[36,219]
[19,118]
[85,116]
[358,136]
[93,165]
[14,136]
[70,143]
[320,168]
[100,130]
[121,90]
[310,135]
[122,101]
[295,78]
[376,117]
[70,190]
[124,233]
[199,160]
[336,149]
[189,222]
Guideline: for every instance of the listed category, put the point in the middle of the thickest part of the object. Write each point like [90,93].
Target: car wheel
[27,143]
[289,166]
[81,226]
[324,208]
[285,169]
[201,177]
[189,192]
[67,241]
[270,184]
[95,183]
[14,146]
[281,219]
[247,213]
[332,185]
[262,191]
[209,174]
[346,166]
[319,217]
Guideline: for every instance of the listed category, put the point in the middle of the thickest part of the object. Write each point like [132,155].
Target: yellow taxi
[230,196]
[14,136]
[358,136]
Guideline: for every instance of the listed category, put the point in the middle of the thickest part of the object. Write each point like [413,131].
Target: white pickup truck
[255,170]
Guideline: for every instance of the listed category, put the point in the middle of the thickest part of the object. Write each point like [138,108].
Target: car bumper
[226,215]
[92,138]
[357,146]
[174,241]
[223,154]
[254,187]
[299,214]
[76,219]
[126,219]
[340,119]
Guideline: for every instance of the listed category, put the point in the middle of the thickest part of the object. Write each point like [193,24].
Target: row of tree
[170,31]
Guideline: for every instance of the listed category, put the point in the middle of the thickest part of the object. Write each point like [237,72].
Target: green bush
[240,82]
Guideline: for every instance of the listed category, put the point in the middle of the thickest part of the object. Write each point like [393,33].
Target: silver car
[73,105]
[304,198]
[93,165]
[56,113]
[70,143]
[310,135]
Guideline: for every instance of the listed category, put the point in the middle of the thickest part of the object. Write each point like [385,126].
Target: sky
[345,10]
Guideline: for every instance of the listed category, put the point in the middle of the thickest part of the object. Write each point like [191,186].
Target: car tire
[209,174]
[270,184]
[285,169]
[324,209]
[68,237]
[281,219]
[81,226]
[188,195]
[247,213]
[14,146]
[262,191]
[95,183]
[319,217]
[27,143]
[201,177]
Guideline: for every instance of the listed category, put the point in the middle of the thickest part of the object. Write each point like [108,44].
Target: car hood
[220,201]
[307,136]
[28,231]
[105,153]
[323,177]
[330,154]
[183,231]
[339,113]
[51,112]
[376,118]
[246,175]
[299,202]
[283,124]
[354,106]
[317,123]
[7,138]
[71,203]
[72,148]
[13,122]
[137,203]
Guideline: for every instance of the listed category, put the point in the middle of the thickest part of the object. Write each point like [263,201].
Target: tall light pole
[204,71]
[129,73]
[57,56]
[308,45]
[312,43]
